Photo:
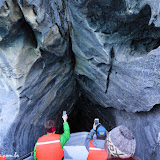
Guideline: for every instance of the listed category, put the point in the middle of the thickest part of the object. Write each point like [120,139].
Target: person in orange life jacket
[2,157]
[95,144]
[120,144]
[49,147]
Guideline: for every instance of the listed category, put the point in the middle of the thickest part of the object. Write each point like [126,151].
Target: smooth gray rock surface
[52,51]
[115,43]
[38,68]
[8,108]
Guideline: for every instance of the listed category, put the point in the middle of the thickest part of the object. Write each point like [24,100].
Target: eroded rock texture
[110,47]
[113,43]
[36,62]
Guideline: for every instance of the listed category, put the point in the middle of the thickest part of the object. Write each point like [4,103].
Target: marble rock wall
[116,47]
[36,71]
[109,48]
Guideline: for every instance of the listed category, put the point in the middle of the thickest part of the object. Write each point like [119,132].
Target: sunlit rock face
[116,50]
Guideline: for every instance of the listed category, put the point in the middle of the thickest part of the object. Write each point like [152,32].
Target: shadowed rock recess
[93,58]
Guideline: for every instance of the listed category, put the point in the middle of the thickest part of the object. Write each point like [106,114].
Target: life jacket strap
[98,149]
[49,142]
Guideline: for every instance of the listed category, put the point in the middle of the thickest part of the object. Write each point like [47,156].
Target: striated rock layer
[36,67]
[111,48]
[116,51]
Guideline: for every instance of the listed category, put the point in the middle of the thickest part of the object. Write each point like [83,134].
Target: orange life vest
[96,153]
[2,157]
[49,148]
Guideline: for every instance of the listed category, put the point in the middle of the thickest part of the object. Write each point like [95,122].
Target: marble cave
[92,58]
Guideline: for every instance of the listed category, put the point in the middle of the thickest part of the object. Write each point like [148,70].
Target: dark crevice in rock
[59,29]
[83,114]
[32,34]
[152,110]
[103,67]
[20,29]
[146,41]
[86,80]
[144,37]
[27,26]
[28,98]
[113,18]
[155,106]
[73,60]
[6,5]
[110,69]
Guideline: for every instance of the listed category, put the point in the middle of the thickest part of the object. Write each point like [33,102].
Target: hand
[65,118]
[94,126]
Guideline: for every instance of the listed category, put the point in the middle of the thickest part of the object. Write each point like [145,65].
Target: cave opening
[82,116]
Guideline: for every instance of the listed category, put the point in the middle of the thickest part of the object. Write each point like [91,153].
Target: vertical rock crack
[110,69]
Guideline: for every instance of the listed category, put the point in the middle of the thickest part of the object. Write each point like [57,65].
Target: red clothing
[96,153]
[49,148]
[2,157]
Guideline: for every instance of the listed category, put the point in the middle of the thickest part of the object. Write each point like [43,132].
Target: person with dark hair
[50,146]
[95,144]
[120,144]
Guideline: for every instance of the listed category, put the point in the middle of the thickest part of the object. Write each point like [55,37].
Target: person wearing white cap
[120,144]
